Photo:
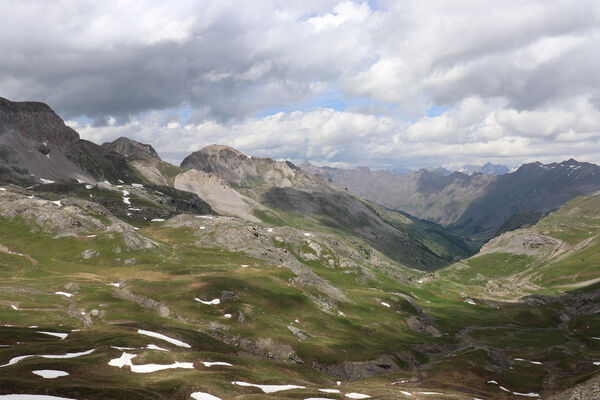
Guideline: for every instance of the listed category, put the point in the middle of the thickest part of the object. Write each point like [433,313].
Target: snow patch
[329,390]
[62,336]
[46,181]
[125,361]
[216,363]
[163,337]
[268,388]
[137,185]
[203,396]
[64,294]
[362,396]
[50,373]
[157,220]
[383,303]
[210,303]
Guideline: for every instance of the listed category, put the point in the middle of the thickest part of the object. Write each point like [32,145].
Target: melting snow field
[210,303]
[15,360]
[50,373]
[62,336]
[125,361]
[358,396]
[203,396]
[163,337]
[268,388]
[329,390]
[221,363]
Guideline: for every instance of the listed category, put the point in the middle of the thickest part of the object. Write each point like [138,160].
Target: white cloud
[518,79]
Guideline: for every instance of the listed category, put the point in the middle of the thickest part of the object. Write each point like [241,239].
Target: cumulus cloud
[517,79]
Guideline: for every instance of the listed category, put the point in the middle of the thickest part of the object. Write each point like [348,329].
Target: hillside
[278,192]
[212,300]
[476,205]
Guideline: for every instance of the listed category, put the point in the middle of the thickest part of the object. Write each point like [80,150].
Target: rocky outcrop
[235,167]
[218,194]
[36,144]
[131,149]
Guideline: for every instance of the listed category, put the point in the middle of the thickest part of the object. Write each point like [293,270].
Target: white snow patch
[134,209]
[88,187]
[115,284]
[3,189]
[137,185]
[155,347]
[91,236]
[383,303]
[126,200]
[204,216]
[217,363]
[163,337]
[338,383]
[505,389]
[596,362]
[363,396]
[329,390]
[57,202]
[536,362]
[64,294]
[210,303]
[125,361]
[46,181]
[15,360]
[244,265]
[526,394]
[270,230]
[470,301]
[62,336]
[157,220]
[227,316]
[268,388]
[50,373]
[492,382]
[307,234]
[123,348]
[203,396]
[428,393]
[14,307]
[79,181]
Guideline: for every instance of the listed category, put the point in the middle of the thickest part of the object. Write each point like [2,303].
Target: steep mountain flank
[145,161]
[36,144]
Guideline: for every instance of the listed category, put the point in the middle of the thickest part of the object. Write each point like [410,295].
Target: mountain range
[474,205]
[236,277]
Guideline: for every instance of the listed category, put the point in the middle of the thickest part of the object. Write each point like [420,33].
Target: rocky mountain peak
[34,121]
[236,167]
[132,149]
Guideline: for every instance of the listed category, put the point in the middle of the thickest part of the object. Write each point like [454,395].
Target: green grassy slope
[281,330]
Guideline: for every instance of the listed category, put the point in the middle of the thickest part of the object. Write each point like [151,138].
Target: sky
[377,83]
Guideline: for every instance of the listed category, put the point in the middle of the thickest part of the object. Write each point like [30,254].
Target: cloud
[515,77]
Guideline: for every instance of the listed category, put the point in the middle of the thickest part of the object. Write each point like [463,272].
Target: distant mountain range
[475,205]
